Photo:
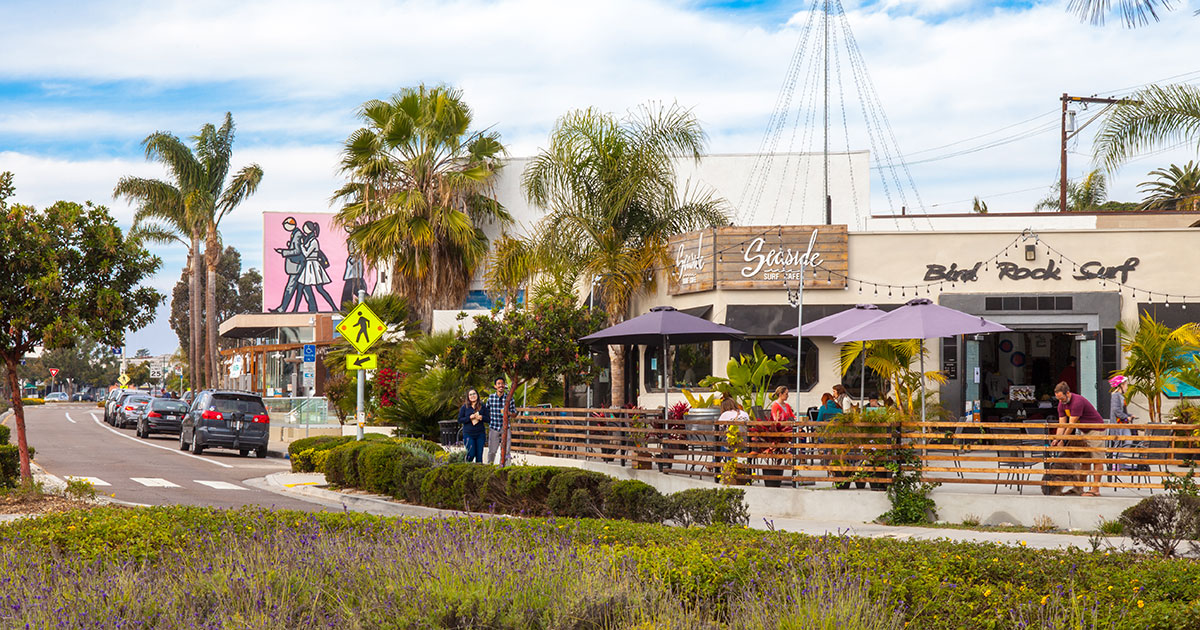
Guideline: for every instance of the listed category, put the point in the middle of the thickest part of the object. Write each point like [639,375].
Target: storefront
[1062,293]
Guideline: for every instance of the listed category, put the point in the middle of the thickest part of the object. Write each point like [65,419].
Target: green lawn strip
[941,584]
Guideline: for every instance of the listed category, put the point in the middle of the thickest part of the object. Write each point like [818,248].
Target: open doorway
[1019,369]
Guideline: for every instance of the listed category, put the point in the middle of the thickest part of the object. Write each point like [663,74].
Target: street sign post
[53,372]
[310,353]
[362,361]
[123,380]
[156,372]
[362,328]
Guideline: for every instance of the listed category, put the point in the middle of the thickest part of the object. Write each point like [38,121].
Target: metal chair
[1022,460]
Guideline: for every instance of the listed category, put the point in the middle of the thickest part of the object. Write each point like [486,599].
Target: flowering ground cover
[183,567]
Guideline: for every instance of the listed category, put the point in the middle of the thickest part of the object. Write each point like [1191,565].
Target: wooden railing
[1015,454]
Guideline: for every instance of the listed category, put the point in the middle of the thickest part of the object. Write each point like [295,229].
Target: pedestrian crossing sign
[123,379]
[362,328]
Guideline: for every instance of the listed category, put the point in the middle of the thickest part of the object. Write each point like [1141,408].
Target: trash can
[449,432]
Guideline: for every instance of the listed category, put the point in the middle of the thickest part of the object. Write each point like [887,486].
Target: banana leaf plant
[748,377]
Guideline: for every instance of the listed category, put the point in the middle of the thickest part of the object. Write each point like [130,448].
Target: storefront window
[690,363]
[786,348]
[853,382]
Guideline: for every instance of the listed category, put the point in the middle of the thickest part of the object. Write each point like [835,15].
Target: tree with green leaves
[1155,355]
[69,273]
[237,292]
[537,343]
[892,360]
[609,188]
[86,363]
[1085,195]
[1173,188]
[420,187]
[201,195]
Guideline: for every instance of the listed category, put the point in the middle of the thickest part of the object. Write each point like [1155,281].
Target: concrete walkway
[311,486]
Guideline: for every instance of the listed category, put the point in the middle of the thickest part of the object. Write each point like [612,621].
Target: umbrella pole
[921,349]
[862,378]
[667,378]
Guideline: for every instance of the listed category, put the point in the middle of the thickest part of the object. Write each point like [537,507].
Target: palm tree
[1086,195]
[1133,12]
[1174,187]
[892,360]
[163,217]
[420,184]
[510,266]
[201,200]
[1157,353]
[609,187]
[1156,116]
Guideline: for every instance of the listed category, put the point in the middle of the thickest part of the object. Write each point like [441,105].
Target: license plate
[238,425]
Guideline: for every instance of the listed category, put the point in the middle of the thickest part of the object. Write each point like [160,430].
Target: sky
[970,90]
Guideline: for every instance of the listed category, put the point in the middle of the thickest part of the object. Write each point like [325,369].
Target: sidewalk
[311,487]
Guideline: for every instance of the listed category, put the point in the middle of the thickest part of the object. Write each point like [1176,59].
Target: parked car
[81,397]
[57,397]
[226,419]
[131,410]
[118,402]
[110,401]
[163,415]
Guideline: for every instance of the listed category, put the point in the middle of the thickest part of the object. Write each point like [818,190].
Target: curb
[55,482]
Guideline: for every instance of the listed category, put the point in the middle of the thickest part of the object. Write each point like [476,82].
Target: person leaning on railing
[1073,408]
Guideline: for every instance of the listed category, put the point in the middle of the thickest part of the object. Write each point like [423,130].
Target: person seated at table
[842,397]
[828,409]
[873,402]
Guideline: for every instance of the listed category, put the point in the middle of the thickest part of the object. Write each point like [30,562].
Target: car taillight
[262,418]
[128,408]
[154,414]
[212,415]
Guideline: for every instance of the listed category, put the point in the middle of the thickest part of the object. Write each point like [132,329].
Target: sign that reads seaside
[759,258]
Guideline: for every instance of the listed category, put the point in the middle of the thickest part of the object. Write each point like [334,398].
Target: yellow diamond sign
[123,380]
[362,328]
[362,361]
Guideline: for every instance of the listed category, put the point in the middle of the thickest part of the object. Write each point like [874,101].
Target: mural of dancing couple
[308,251]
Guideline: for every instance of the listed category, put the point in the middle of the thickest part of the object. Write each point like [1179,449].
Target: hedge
[400,469]
[5,432]
[10,464]
[305,453]
[29,402]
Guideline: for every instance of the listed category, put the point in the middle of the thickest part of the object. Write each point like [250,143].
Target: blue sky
[82,84]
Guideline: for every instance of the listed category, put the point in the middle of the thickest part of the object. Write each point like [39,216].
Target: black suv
[226,419]
[163,415]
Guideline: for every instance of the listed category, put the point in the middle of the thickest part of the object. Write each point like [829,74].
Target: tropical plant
[197,201]
[1086,195]
[979,207]
[510,266]
[748,377]
[1154,117]
[609,187]
[1156,354]
[420,185]
[700,401]
[1173,187]
[892,360]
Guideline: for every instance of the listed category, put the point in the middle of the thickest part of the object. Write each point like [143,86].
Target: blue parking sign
[118,350]
[310,353]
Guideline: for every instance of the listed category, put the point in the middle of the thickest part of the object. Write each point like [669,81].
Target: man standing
[1073,408]
[493,413]
[293,263]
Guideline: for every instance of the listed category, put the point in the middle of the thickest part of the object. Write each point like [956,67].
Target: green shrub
[377,467]
[577,493]
[482,487]
[1159,523]
[5,433]
[303,451]
[79,489]
[433,448]
[909,495]
[440,487]
[709,506]
[528,486]
[342,466]
[635,501]
[318,460]
[29,402]
[10,465]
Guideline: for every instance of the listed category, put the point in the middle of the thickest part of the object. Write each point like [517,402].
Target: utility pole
[1062,166]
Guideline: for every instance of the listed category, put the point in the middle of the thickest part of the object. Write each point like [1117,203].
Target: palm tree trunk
[194,318]
[212,255]
[616,358]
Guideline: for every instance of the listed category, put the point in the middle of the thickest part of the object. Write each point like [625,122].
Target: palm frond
[1153,117]
[1133,12]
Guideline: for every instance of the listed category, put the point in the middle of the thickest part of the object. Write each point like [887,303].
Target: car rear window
[137,400]
[169,405]
[227,403]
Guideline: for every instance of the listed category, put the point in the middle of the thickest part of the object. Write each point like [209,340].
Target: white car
[57,397]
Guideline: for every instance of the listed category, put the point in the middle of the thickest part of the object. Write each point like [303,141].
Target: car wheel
[196,448]
[261,452]
[183,445]
[244,452]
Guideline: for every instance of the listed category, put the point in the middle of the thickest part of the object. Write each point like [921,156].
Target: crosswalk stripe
[95,481]
[220,485]
[154,482]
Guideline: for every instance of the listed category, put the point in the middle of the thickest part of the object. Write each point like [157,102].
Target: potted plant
[766,446]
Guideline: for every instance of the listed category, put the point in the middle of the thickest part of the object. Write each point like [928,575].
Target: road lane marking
[95,481]
[69,418]
[169,450]
[221,485]
[154,482]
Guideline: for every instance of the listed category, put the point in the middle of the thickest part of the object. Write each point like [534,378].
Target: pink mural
[306,266]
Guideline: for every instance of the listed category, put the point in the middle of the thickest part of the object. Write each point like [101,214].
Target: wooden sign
[759,258]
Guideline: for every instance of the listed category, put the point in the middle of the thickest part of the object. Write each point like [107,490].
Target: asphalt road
[72,440]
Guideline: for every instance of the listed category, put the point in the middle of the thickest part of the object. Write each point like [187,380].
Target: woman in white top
[842,398]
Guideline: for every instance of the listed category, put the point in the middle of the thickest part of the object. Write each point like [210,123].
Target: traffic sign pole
[362,384]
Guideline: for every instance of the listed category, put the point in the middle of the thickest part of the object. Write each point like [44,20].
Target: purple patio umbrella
[920,319]
[836,324]
[663,324]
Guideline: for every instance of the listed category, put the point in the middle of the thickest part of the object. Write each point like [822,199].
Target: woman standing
[781,411]
[470,416]
[313,275]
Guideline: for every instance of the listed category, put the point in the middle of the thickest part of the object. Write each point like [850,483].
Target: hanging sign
[759,258]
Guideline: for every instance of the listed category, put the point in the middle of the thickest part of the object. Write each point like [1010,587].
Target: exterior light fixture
[1030,252]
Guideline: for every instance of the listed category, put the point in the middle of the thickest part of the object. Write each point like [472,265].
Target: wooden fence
[1014,454]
